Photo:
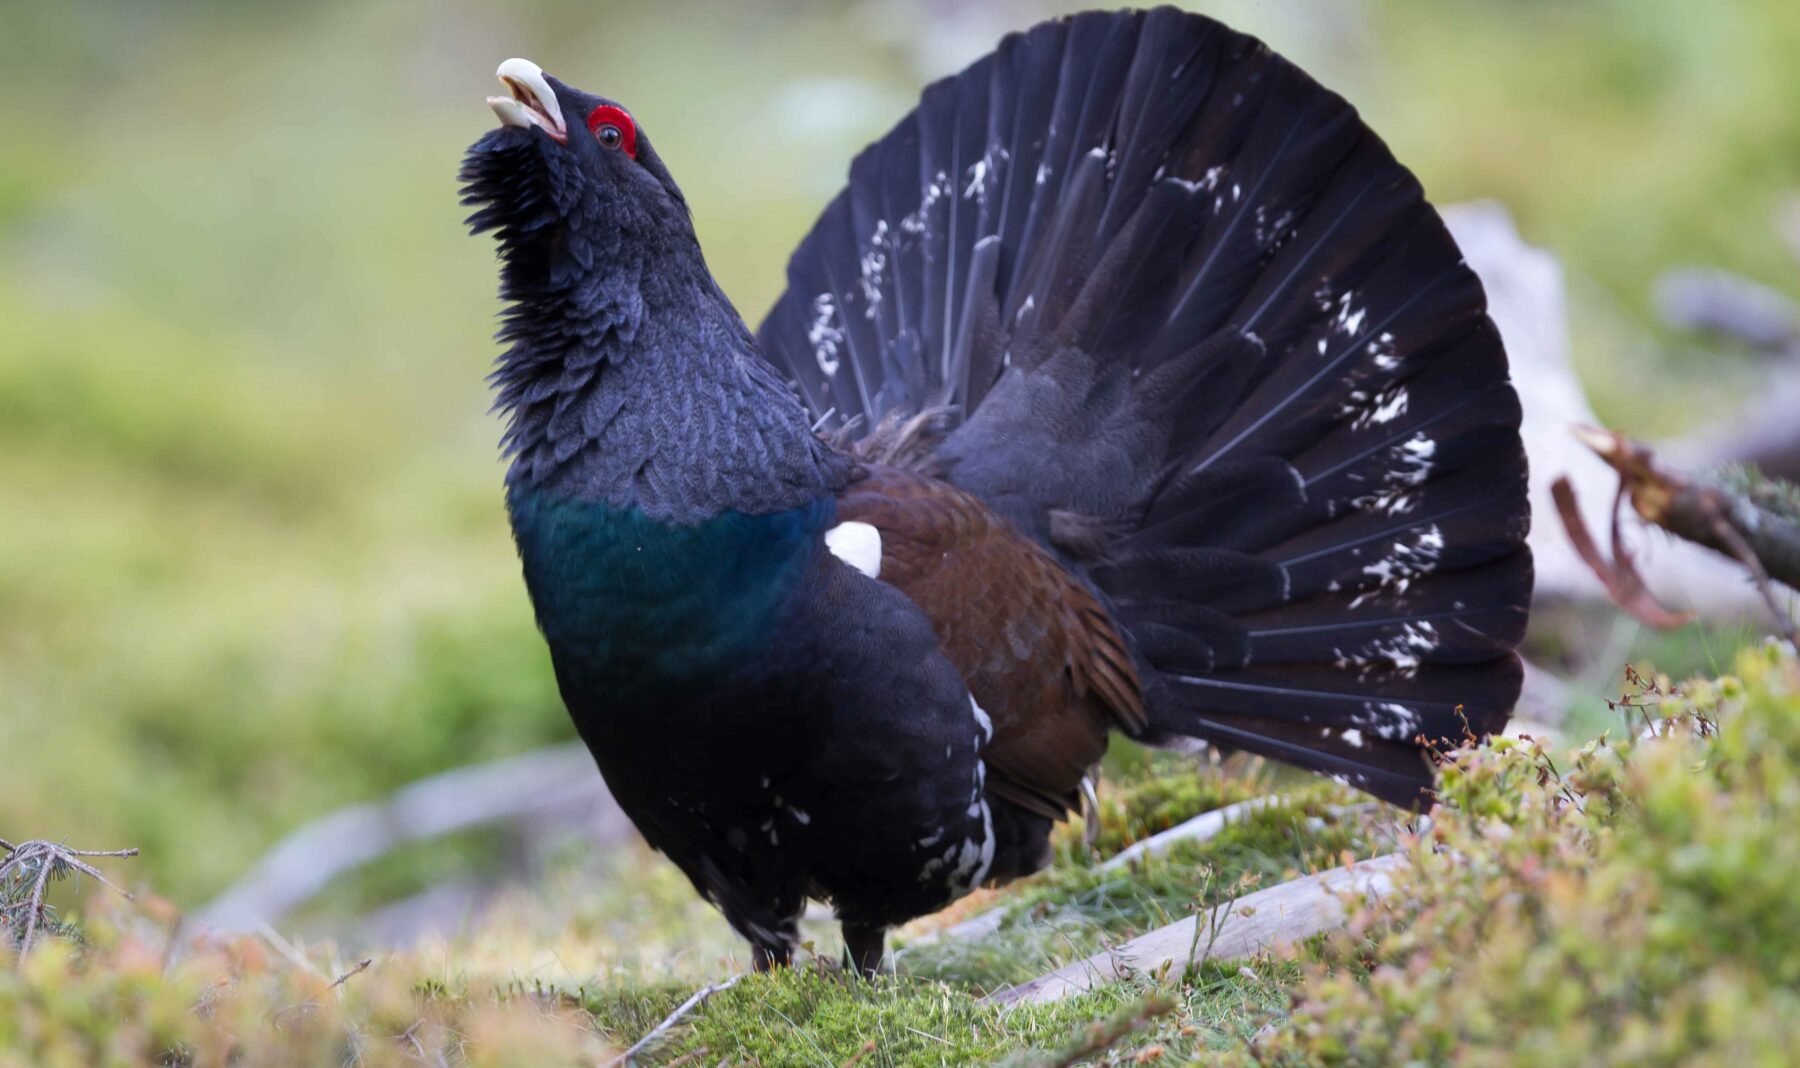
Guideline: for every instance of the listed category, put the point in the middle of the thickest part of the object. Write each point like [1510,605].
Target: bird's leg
[764,957]
[865,945]
[772,933]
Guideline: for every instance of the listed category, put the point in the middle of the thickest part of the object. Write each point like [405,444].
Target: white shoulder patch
[856,544]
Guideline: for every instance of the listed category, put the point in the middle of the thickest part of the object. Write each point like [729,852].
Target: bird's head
[566,181]
[615,330]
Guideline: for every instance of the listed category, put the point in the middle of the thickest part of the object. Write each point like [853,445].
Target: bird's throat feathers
[629,378]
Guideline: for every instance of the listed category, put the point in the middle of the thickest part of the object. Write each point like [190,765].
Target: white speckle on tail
[1390,720]
[874,265]
[824,337]
[1381,352]
[1349,318]
[1405,564]
[919,220]
[1412,464]
[1401,653]
[1024,310]
[856,544]
[983,172]
[1353,738]
[1367,410]
[1272,233]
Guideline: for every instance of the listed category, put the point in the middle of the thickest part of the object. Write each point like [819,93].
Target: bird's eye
[613,129]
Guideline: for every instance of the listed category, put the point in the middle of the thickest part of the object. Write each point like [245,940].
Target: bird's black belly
[777,724]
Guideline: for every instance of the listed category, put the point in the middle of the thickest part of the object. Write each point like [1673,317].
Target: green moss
[1076,908]
[820,1015]
[1629,903]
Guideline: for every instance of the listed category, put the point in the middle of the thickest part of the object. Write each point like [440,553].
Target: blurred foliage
[252,559]
[121,1000]
[1630,902]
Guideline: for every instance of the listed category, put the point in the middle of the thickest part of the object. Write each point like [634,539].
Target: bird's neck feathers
[631,381]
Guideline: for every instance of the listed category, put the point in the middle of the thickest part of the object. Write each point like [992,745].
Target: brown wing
[1038,651]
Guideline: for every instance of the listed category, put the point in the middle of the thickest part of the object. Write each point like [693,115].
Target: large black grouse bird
[1130,385]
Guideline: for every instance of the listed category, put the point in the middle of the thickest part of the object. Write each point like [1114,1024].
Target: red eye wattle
[613,128]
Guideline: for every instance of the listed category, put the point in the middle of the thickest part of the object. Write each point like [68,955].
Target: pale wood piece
[1266,921]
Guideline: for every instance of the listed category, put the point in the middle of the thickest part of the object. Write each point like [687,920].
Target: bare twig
[302,1006]
[1101,1035]
[693,1002]
[360,967]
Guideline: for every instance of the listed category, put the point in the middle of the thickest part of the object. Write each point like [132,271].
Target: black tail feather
[1172,284]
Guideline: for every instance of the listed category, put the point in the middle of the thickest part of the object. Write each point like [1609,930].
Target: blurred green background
[253,564]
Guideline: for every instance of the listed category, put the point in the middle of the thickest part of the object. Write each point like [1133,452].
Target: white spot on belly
[856,544]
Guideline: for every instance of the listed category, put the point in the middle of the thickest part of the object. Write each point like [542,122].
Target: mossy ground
[1630,901]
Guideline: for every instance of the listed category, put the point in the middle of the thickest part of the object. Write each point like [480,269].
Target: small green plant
[25,877]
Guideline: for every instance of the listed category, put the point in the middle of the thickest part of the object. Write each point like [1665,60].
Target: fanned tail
[1177,292]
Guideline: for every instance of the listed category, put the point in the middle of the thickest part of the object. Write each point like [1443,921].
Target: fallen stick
[1267,920]
[304,862]
[697,999]
[1202,828]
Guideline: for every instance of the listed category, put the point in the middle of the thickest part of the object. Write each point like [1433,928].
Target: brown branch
[1620,576]
[360,967]
[1724,520]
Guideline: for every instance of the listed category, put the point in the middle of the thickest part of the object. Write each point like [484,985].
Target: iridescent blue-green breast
[629,602]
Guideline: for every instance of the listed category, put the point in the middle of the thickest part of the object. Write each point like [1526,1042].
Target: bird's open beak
[532,103]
